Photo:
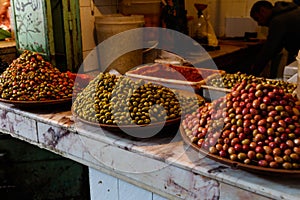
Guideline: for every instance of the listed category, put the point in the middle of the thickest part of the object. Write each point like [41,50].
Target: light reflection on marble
[162,164]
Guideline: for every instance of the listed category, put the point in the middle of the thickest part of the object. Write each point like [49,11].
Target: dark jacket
[284,32]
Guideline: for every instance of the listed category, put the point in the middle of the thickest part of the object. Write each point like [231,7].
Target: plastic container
[290,70]
[172,76]
[109,25]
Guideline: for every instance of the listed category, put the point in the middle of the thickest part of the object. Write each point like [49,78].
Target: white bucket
[109,25]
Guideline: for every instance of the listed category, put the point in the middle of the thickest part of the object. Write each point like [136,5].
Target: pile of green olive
[189,104]
[121,101]
[227,80]
[255,124]
[230,80]
[31,78]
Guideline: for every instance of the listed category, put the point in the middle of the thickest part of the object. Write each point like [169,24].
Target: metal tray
[39,104]
[138,131]
[238,165]
[162,76]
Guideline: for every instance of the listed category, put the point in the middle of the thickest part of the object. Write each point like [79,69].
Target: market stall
[179,162]
[164,166]
[201,129]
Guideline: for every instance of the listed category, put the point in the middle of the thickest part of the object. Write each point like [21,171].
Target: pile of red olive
[255,124]
[31,78]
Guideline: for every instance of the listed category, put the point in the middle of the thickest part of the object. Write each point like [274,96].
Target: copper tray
[121,128]
[238,165]
[37,103]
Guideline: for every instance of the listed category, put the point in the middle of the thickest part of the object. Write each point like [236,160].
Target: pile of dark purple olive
[254,124]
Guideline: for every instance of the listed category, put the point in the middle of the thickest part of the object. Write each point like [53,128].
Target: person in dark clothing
[174,17]
[283,21]
[297,2]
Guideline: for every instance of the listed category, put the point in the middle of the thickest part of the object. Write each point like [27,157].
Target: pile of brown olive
[31,78]
[230,80]
[255,124]
[121,101]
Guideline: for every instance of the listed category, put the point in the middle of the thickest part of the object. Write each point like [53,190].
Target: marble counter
[163,165]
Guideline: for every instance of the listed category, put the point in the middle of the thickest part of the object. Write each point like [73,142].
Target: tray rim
[170,81]
[235,164]
[37,103]
[164,80]
[212,76]
[208,87]
[119,127]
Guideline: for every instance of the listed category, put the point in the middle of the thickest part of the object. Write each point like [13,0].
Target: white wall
[88,11]
[220,9]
